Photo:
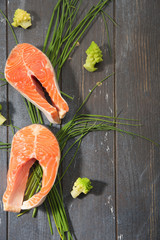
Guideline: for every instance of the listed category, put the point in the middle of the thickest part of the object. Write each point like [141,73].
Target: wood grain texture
[137,92]
[92,216]
[125,172]
[3,129]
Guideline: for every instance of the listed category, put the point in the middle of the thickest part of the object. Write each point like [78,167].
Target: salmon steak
[30,72]
[30,144]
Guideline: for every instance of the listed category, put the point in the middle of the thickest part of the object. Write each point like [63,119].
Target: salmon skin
[31,143]
[29,71]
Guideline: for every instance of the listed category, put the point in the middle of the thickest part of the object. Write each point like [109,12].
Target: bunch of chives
[66,35]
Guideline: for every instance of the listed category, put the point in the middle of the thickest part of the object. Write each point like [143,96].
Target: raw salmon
[30,72]
[31,143]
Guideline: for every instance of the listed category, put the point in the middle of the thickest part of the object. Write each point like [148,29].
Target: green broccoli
[21,18]
[94,55]
[2,119]
[81,185]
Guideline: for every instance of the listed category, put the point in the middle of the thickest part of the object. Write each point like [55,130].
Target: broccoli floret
[2,119]
[81,185]
[21,18]
[94,55]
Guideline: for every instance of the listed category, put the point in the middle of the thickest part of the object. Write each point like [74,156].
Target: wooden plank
[3,129]
[137,90]
[26,226]
[92,217]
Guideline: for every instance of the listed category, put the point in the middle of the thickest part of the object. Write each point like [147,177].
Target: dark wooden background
[125,201]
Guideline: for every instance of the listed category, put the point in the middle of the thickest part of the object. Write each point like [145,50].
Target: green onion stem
[111,19]
[49,219]
[66,95]
[50,25]
[86,99]
[9,26]
[107,32]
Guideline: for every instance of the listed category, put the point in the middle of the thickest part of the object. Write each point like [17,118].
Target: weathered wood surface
[124,203]
[92,217]
[137,93]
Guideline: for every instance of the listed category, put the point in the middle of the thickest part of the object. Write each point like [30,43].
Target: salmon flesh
[31,143]
[30,72]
